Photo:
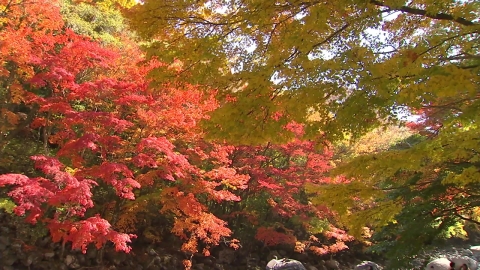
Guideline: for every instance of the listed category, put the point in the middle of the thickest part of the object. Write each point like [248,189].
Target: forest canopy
[339,67]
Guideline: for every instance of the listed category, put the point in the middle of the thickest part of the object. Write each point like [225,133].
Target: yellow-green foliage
[102,22]
[357,204]
[114,3]
[7,205]
[425,192]
[375,141]
[318,226]
[338,66]
[456,230]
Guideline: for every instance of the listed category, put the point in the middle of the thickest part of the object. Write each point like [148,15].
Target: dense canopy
[339,66]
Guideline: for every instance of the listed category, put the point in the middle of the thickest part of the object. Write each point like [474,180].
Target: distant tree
[101,21]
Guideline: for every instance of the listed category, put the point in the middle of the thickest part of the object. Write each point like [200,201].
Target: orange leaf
[17,93]
[11,117]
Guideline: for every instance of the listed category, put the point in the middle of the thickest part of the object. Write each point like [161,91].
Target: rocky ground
[25,247]
[48,255]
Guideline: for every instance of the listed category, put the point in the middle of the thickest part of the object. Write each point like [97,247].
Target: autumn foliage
[116,143]
[286,71]
[192,137]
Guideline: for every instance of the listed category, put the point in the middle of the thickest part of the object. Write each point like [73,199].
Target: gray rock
[251,262]
[82,259]
[451,252]
[367,265]
[285,264]
[71,262]
[118,258]
[152,252]
[464,260]
[43,242]
[322,267]
[208,261]
[69,259]
[5,230]
[439,264]
[273,255]
[32,259]
[16,246]
[155,261]
[475,252]
[166,259]
[332,264]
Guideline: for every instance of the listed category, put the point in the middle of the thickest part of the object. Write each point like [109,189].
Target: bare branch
[330,37]
[465,56]
[466,218]
[443,42]
[416,11]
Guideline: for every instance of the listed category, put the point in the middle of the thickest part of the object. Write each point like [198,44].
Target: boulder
[285,264]
[367,265]
[332,264]
[463,260]
[440,264]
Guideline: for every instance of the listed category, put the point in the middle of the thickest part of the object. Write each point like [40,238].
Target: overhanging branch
[416,11]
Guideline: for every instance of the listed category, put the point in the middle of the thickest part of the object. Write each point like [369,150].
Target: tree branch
[416,11]
[466,218]
[443,42]
[329,37]
[464,56]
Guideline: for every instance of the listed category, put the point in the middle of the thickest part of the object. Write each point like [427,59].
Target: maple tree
[418,192]
[338,67]
[275,208]
[46,70]
[342,68]
[17,52]
[114,141]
